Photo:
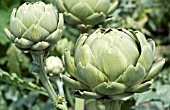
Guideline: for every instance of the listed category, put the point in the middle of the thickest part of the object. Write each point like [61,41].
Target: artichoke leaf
[13,14]
[156,68]
[112,7]
[35,33]
[110,89]
[73,84]
[141,39]
[130,51]
[109,63]
[146,57]
[60,22]
[91,39]
[95,18]
[84,55]
[90,75]
[9,35]
[133,75]
[71,19]
[81,10]
[131,34]
[69,63]
[141,87]
[87,95]
[48,23]
[17,28]
[37,11]
[81,40]
[121,97]
[69,4]
[102,6]
[27,18]
[152,45]
[91,3]
[23,43]
[40,45]
[60,6]
[54,37]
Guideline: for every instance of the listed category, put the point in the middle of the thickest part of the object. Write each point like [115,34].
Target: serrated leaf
[15,80]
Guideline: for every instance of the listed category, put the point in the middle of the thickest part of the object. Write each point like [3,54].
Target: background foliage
[149,16]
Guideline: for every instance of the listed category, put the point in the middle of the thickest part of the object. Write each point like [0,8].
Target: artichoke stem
[61,91]
[79,104]
[113,105]
[60,86]
[38,56]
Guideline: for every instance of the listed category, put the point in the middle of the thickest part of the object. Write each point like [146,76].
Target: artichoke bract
[112,64]
[35,26]
[86,12]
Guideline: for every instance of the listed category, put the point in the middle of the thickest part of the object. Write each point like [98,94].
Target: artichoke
[63,44]
[35,26]
[54,65]
[112,64]
[86,12]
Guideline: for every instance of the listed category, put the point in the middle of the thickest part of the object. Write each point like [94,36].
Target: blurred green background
[21,90]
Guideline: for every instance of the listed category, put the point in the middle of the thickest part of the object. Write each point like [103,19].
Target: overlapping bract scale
[113,63]
[35,26]
[86,12]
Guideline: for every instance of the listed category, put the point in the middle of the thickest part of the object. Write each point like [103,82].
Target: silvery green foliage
[15,80]
[54,65]
[35,26]
[87,12]
[112,64]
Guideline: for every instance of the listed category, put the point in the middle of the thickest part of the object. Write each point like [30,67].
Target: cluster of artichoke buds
[54,65]
[35,26]
[86,12]
[108,64]
[112,64]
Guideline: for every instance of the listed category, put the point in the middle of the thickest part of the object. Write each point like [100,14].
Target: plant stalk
[61,91]
[113,105]
[79,104]
[38,57]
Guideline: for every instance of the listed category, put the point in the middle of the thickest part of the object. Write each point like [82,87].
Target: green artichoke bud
[64,44]
[35,26]
[87,12]
[113,63]
[54,65]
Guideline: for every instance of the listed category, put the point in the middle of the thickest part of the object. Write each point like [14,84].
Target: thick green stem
[38,57]
[79,104]
[112,105]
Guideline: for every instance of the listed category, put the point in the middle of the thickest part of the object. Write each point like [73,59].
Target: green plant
[30,29]
[86,12]
[112,71]
[149,17]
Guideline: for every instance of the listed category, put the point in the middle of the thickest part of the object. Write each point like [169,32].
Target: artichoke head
[112,64]
[35,26]
[86,12]
[54,65]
